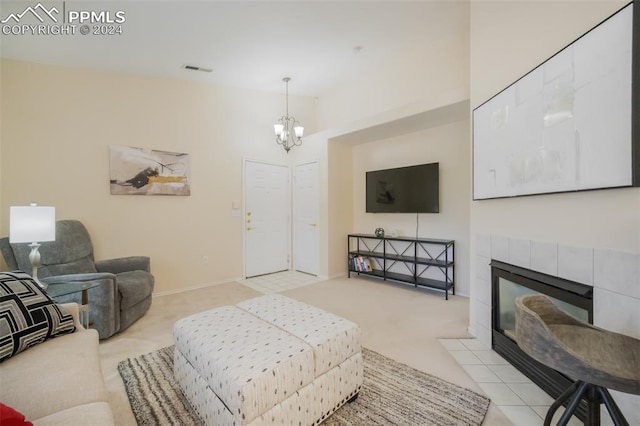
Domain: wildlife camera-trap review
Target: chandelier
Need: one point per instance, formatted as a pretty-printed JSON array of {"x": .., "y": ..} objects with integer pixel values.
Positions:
[{"x": 288, "y": 130}]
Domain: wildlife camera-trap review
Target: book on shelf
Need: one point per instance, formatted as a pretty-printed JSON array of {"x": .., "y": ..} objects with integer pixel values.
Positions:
[
  {"x": 362, "y": 264},
  {"x": 367, "y": 264},
  {"x": 356, "y": 263}
]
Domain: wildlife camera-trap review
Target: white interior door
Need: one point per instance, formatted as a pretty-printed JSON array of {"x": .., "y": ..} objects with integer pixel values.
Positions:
[
  {"x": 305, "y": 218},
  {"x": 266, "y": 218}
]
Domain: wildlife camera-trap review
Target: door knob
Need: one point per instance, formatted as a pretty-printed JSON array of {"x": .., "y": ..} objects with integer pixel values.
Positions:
[
  {"x": 249, "y": 228},
  {"x": 313, "y": 224}
]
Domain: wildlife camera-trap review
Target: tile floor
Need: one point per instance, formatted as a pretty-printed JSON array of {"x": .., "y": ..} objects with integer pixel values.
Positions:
[
  {"x": 521, "y": 400},
  {"x": 279, "y": 281}
]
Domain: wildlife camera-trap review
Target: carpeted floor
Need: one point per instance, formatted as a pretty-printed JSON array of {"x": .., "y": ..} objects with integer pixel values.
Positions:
[{"x": 392, "y": 394}]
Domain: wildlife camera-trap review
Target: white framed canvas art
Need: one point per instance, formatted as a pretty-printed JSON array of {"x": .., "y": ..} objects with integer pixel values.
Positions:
[{"x": 570, "y": 124}]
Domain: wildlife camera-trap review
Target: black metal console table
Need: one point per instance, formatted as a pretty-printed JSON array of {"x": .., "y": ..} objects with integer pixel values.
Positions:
[{"x": 416, "y": 261}]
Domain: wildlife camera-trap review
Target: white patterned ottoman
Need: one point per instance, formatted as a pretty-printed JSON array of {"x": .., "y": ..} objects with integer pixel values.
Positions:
[{"x": 268, "y": 360}]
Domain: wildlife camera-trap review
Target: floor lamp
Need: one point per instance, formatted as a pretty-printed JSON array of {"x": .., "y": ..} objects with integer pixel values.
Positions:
[{"x": 32, "y": 224}]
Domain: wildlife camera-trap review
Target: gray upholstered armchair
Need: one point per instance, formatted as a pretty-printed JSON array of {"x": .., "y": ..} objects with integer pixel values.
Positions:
[{"x": 126, "y": 284}]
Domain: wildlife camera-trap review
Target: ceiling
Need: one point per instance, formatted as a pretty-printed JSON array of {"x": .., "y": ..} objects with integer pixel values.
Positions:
[{"x": 319, "y": 44}]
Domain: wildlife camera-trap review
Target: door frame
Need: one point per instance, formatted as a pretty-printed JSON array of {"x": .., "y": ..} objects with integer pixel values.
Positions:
[
  {"x": 245, "y": 160},
  {"x": 293, "y": 213}
]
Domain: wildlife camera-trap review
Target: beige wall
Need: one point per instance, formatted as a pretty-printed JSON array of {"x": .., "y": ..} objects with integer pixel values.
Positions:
[
  {"x": 314, "y": 148},
  {"x": 340, "y": 205},
  {"x": 440, "y": 65},
  {"x": 58, "y": 123},
  {"x": 415, "y": 83},
  {"x": 336, "y": 201},
  {"x": 592, "y": 237},
  {"x": 2, "y": 213},
  {"x": 447, "y": 145}
]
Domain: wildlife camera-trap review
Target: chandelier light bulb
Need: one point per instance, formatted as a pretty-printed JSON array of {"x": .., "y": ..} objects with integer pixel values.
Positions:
[{"x": 288, "y": 130}]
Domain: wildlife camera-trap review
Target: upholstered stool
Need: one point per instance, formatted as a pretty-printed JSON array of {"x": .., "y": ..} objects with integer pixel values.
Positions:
[
  {"x": 266, "y": 361},
  {"x": 598, "y": 359}
]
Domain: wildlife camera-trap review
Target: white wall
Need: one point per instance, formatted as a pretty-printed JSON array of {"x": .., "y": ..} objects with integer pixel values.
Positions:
[{"x": 591, "y": 237}]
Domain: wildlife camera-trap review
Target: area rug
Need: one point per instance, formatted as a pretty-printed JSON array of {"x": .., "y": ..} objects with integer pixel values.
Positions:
[{"x": 392, "y": 394}]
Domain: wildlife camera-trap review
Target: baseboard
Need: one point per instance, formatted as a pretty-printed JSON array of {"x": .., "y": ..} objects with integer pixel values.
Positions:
[
  {"x": 195, "y": 287},
  {"x": 472, "y": 331}
]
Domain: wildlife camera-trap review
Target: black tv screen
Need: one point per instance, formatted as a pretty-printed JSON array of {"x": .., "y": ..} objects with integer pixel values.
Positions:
[{"x": 413, "y": 189}]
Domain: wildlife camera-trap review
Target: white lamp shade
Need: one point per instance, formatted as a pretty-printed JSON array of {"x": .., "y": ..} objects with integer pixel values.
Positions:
[
  {"x": 31, "y": 224},
  {"x": 299, "y": 131},
  {"x": 278, "y": 129}
]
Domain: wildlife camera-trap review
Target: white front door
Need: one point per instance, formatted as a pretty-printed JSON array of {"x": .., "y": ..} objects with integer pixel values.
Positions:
[
  {"x": 305, "y": 218},
  {"x": 266, "y": 218}
]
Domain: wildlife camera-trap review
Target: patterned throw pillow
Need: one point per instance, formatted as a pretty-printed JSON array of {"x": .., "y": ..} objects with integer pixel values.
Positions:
[{"x": 27, "y": 315}]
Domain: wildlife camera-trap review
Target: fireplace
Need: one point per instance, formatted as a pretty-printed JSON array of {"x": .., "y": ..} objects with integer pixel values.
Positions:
[{"x": 509, "y": 282}]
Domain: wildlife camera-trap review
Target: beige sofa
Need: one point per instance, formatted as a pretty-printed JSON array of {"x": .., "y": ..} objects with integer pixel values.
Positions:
[{"x": 58, "y": 382}]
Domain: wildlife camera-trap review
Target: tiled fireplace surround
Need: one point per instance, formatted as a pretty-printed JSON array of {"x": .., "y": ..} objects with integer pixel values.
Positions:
[{"x": 614, "y": 275}]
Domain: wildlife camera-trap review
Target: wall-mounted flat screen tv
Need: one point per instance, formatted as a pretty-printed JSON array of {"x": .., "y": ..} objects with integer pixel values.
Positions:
[{"x": 413, "y": 189}]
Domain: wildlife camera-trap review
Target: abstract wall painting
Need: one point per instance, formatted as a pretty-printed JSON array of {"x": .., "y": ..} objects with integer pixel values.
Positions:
[{"x": 140, "y": 171}]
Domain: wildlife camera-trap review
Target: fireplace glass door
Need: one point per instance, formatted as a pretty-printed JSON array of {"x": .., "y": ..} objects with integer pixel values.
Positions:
[
  {"x": 507, "y": 293},
  {"x": 510, "y": 281}
]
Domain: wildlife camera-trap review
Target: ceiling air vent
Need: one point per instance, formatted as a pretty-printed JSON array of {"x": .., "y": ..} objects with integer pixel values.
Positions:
[{"x": 196, "y": 68}]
